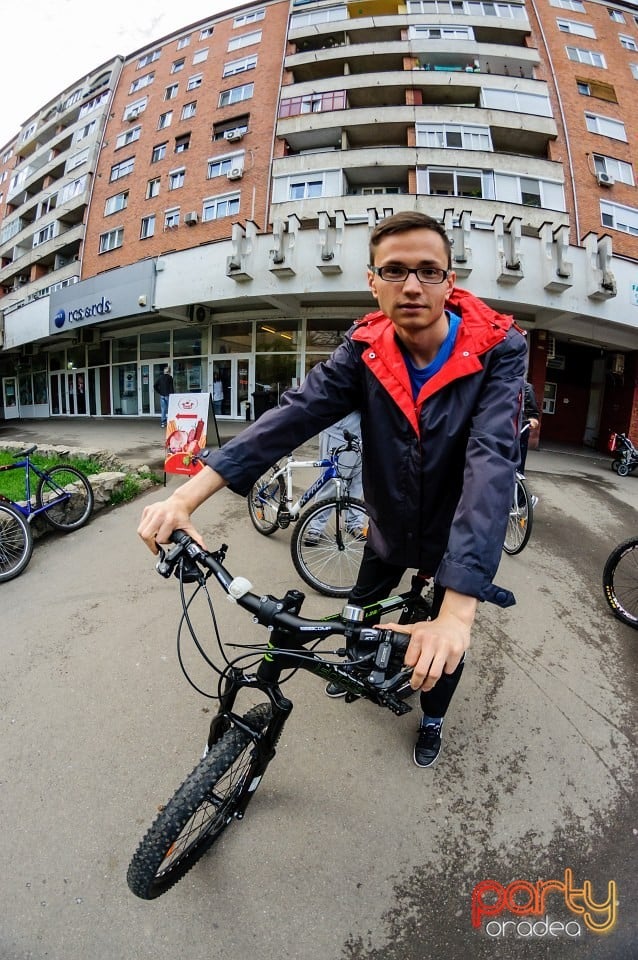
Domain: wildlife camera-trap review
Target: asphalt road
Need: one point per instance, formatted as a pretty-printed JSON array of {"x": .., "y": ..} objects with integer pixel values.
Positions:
[{"x": 348, "y": 851}]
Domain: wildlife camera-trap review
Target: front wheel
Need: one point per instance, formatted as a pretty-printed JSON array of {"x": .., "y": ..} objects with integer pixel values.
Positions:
[
  {"x": 264, "y": 500},
  {"x": 327, "y": 544},
  {"x": 620, "y": 582},
  {"x": 68, "y": 497},
  {"x": 199, "y": 812},
  {"x": 519, "y": 523},
  {"x": 16, "y": 542}
]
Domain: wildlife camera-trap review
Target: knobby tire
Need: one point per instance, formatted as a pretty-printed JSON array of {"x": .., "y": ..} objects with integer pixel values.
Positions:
[
  {"x": 199, "y": 811},
  {"x": 620, "y": 582}
]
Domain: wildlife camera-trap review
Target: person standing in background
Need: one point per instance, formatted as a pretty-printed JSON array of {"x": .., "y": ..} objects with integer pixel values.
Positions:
[
  {"x": 165, "y": 387},
  {"x": 350, "y": 467},
  {"x": 218, "y": 394}
]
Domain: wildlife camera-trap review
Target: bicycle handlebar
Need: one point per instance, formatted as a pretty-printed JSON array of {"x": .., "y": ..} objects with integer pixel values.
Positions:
[{"x": 386, "y": 648}]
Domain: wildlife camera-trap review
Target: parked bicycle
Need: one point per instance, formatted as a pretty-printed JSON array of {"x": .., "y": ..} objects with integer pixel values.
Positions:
[
  {"x": 620, "y": 581},
  {"x": 240, "y": 746},
  {"x": 328, "y": 540},
  {"x": 62, "y": 494},
  {"x": 520, "y": 519}
]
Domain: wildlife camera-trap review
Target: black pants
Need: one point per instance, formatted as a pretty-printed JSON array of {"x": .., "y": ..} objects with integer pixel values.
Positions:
[
  {"x": 524, "y": 445},
  {"x": 376, "y": 580}
]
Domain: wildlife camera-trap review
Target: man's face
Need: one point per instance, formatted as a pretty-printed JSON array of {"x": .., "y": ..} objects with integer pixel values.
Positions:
[{"x": 411, "y": 305}]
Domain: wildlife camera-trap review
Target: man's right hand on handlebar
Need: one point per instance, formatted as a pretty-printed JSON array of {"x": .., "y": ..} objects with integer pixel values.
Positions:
[{"x": 160, "y": 519}]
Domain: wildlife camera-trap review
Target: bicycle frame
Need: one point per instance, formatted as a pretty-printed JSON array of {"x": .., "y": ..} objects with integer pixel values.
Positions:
[
  {"x": 330, "y": 472},
  {"x": 27, "y": 509}
]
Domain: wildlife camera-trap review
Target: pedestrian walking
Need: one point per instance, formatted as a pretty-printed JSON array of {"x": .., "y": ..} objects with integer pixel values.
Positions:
[{"x": 164, "y": 386}]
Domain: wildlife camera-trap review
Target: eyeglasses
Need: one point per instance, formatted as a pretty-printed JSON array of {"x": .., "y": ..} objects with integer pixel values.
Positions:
[{"x": 397, "y": 273}]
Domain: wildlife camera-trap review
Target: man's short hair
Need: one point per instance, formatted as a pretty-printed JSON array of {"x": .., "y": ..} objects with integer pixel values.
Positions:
[{"x": 404, "y": 221}]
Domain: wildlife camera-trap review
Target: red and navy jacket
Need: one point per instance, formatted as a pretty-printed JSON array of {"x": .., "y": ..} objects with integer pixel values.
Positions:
[{"x": 438, "y": 472}]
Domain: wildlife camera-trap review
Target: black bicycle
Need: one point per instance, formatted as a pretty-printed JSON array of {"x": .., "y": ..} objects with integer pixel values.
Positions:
[
  {"x": 241, "y": 745},
  {"x": 620, "y": 581}
]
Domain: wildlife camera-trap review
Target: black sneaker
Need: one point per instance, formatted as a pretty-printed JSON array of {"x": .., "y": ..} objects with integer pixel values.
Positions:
[
  {"x": 335, "y": 690},
  {"x": 428, "y": 745}
]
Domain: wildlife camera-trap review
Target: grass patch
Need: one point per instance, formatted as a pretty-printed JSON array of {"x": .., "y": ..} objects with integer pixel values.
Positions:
[
  {"x": 12, "y": 482},
  {"x": 131, "y": 488}
]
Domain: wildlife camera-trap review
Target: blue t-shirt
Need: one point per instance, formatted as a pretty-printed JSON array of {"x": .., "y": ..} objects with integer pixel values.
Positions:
[{"x": 421, "y": 375}]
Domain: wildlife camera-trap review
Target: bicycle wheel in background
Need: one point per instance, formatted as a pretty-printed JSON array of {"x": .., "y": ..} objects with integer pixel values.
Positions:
[
  {"x": 198, "y": 813},
  {"x": 70, "y": 495},
  {"x": 16, "y": 542},
  {"x": 620, "y": 581},
  {"x": 264, "y": 500},
  {"x": 519, "y": 523},
  {"x": 327, "y": 545}
]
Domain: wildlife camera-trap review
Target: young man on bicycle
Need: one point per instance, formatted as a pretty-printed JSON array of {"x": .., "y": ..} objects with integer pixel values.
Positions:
[{"x": 438, "y": 377}]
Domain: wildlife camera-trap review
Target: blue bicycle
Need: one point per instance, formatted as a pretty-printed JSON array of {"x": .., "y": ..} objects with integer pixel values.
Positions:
[{"x": 329, "y": 537}]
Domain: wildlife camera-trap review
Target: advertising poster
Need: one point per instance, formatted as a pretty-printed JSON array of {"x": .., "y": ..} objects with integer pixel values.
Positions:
[{"x": 188, "y": 418}]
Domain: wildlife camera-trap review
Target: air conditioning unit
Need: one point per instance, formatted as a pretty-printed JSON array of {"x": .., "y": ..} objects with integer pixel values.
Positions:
[
  {"x": 234, "y": 135},
  {"x": 89, "y": 335},
  {"x": 235, "y": 173},
  {"x": 133, "y": 115},
  {"x": 551, "y": 347},
  {"x": 191, "y": 219},
  {"x": 605, "y": 180}
]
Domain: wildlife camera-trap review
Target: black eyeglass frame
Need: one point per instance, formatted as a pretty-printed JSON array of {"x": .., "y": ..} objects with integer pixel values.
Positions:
[{"x": 407, "y": 271}]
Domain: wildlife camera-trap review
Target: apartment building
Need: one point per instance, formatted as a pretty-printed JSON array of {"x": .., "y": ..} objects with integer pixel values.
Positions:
[{"x": 244, "y": 159}]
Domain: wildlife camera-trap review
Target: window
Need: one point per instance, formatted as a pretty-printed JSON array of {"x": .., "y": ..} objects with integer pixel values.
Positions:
[
  {"x": 142, "y": 82},
  {"x": 305, "y": 189},
  {"x": 47, "y": 233},
  {"x": 159, "y": 152},
  {"x": 194, "y": 82},
  {"x": 221, "y": 165},
  {"x": 133, "y": 110},
  {"x": 576, "y": 6},
  {"x": 177, "y": 65},
  {"x": 245, "y": 40},
  {"x": 147, "y": 227},
  {"x": 549, "y": 397},
  {"x": 251, "y": 17},
  {"x": 618, "y": 169},
  {"x": 325, "y": 15},
  {"x": 129, "y": 136},
  {"x": 171, "y": 219},
  {"x": 148, "y": 58},
  {"x": 111, "y": 240},
  {"x": 239, "y": 66},
  {"x": 116, "y": 203},
  {"x": 176, "y": 179},
  {"x": 236, "y": 94},
  {"x": 596, "y": 88},
  {"x": 189, "y": 110},
  {"x": 240, "y": 124},
  {"x": 171, "y": 92},
  {"x": 313, "y": 103},
  {"x": 72, "y": 189},
  {"x": 164, "y": 120},
  {"x": 77, "y": 160},
  {"x": 619, "y": 217},
  {"x": 183, "y": 42},
  {"x": 628, "y": 43},
  {"x": 616, "y": 15},
  {"x": 606, "y": 126},
  {"x": 459, "y": 183},
  {"x": 586, "y": 56},
  {"x": 205, "y": 33},
  {"x": 537, "y": 104},
  {"x": 431, "y": 32},
  {"x": 574, "y": 26},
  {"x": 219, "y": 207},
  {"x": 453, "y": 136},
  {"x": 153, "y": 188},
  {"x": 85, "y": 131},
  {"x": 122, "y": 169},
  {"x": 182, "y": 143},
  {"x": 634, "y": 70},
  {"x": 200, "y": 55}
]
